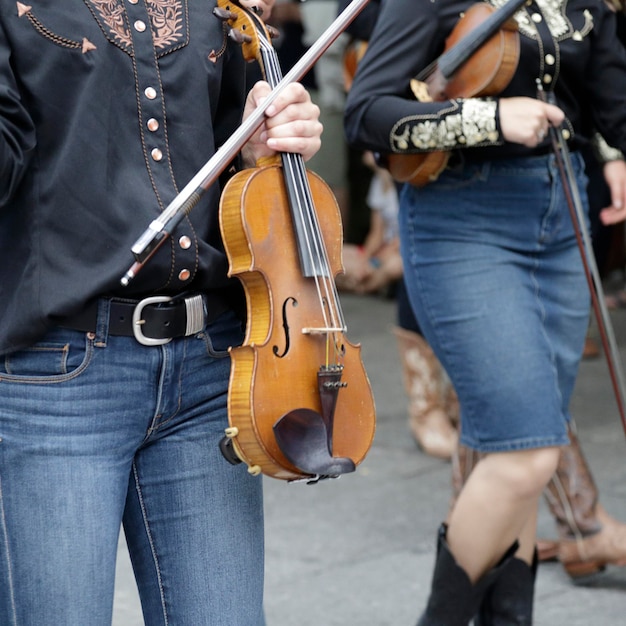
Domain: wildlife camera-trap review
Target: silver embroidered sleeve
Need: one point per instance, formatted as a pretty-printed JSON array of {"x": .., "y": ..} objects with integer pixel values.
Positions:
[
  {"x": 603, "y": 152},
  {"x": 465, "y": 123}
]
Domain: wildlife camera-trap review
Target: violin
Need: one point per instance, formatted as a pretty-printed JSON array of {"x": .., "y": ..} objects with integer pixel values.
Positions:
[
  {"x": 480, "y": 58},
  {"x": 300, "y": 405},
  {"x": 351, "y": 58}
]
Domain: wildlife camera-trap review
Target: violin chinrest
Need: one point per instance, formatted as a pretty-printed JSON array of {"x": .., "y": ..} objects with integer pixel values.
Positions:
[{"x": 302, "y": 436}]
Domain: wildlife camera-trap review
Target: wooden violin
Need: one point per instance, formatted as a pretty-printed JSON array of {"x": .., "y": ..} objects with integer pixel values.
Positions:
[
  {"x": 300, "y": 406},
  {"x": 480, "y": 58},
  {"x": 351, "y": 58}
]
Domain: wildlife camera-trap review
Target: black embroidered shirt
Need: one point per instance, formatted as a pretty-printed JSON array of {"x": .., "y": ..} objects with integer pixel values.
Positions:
[
  {"x": 107, "y": 110},
  {"x": 570, "y": 46}
]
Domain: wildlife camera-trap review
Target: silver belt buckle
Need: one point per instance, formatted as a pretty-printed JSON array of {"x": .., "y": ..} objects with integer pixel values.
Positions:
[
  {"x": 138, "y": 321},
  {"x": 194, "y": 308}
]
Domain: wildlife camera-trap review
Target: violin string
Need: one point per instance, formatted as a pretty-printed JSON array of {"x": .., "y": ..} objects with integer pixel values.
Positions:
[
  {"x": 304, "y": 205},
  {"x": 273, "y": 75},
  {"x": 316, "y": 242}
]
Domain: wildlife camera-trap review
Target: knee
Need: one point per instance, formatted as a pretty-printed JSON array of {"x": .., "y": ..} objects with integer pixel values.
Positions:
[
  {"x": 527, "y": 472},
  {"x": 543, "y": 464}
]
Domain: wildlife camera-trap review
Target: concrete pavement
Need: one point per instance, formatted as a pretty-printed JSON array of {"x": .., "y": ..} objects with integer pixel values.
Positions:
[{"x": 360, "y": 550}]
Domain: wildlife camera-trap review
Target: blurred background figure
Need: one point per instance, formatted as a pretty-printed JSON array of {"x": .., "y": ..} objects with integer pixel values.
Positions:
[
  {"x": 375, "y": 266},
  {"x": 329, "y": 94}
]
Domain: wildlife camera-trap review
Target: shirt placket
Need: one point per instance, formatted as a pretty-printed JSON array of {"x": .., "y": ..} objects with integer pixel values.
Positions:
[{"x": 153, "y": 127}]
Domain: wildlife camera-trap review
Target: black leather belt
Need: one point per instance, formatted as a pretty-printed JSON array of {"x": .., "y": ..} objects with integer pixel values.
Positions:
[{"x": 152, "y": 321}]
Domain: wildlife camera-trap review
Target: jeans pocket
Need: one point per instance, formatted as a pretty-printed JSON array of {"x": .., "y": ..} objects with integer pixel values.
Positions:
[{"x": 49, "y": 360}]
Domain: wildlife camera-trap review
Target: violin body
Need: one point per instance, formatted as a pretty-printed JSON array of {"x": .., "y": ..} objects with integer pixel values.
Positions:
[
  {"x": 486, "y": 72},
  {"x": 276, "y": 369}
]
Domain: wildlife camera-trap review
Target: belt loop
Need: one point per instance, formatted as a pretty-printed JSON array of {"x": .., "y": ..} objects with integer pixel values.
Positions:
[
  {"x": 102, "y": 322},
  {"x": 196, "y": 309}
]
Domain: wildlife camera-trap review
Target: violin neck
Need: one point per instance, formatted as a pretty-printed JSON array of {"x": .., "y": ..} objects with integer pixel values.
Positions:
[
  {"x": 449, "y": 62},
  {"x": 310, "y": 243}
]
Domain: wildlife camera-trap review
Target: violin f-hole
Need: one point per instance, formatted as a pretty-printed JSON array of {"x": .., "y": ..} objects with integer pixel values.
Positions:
[{"x": 294, "y": 303}]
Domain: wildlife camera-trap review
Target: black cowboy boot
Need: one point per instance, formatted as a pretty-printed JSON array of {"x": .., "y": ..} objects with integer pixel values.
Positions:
[
  {"x": 453, "y": 599},
  {"x": 509, "y": 601}
]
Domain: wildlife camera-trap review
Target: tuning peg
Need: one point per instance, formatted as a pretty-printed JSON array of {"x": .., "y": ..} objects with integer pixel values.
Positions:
[
  {"x": 239, "y": 37},
  {"x": 272, "y": 32},
  {"x": 223, "y": 14}
]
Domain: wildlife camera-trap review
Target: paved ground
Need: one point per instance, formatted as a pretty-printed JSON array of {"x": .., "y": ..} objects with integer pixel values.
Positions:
[{"x": 359, "y": 550}]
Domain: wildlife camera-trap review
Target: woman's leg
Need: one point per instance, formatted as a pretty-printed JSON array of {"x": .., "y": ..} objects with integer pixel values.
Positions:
[
  {"x": 508, "y": 486},
  {"x": 71, "y": 417},
  {"x": 481, "y": 568},
  {"x": 509, "y": 601},
  {"x": 193, "y": 521}
]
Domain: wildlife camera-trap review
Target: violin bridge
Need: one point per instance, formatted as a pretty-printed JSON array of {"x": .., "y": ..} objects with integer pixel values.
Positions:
[{"x": 322, "y": 331}]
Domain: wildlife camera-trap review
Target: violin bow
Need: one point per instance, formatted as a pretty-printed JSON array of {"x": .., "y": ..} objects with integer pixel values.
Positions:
[
  {"x": 583, "y": 238},
  {"x": 161, "y": 228}
]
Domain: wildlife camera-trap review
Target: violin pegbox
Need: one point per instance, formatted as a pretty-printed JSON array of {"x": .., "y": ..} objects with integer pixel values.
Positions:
[{"x": 246, "y": 27}]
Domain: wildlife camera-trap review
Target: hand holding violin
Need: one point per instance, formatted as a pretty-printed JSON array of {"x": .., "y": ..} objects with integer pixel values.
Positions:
[
  {"x": 526, "y": 120},
  {"x": 292, "y": 123}
]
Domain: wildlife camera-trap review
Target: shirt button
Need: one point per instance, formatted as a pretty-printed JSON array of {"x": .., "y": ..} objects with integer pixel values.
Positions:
[
  {"x": 566, "y": 134},
  {"x": 536, "y": 17},
  {"x": 152, "y": 124},
  {"x": 550, "y": 59},
  {"x": 547, "y": 79},
  {"x": 140, "y": 26},
  {"x": 185, "y": 242},
  {"x": 184, "y": 275},
  {"x": 156, "y": 154},
  {"x": 151, "y": 93}
]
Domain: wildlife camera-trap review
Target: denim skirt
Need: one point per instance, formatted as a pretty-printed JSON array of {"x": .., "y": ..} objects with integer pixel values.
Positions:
[{"x": 496, "y": 280}]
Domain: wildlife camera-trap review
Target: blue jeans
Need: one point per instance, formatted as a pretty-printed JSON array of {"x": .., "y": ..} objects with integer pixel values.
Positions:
[
  {"x": 496, "y": 281},
  {"x": 96, "y": 431}
]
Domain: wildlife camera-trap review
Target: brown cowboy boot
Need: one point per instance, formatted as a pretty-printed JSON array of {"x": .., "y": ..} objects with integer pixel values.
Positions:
[
  {"x": 426, "y": 386},
  {"x": 589, "y": 538}
]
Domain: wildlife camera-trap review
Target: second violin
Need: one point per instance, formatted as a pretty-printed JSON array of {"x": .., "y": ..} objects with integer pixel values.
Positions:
[{"x": 480, "y": 58}]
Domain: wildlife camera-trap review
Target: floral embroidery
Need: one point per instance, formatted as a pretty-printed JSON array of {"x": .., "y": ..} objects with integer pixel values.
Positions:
[
  {"x": 469, "y": 123},
  {"x": 114, "y": 17},
  {"x": 603, "y": 151},
  {"x": 166, "y": 20},
  {"x": 553, "y": 11}
]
